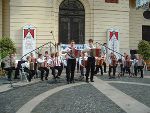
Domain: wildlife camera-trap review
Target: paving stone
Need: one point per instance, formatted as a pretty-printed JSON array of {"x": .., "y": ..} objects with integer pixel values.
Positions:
[
  {"x": 78, "y": 99},
  {"x": 125, "y": 79},
  {"x": 12, "y": 100},
  {"x": 140, "y": 93}
]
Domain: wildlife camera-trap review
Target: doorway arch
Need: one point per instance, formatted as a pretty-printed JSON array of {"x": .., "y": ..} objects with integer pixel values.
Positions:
[{"x": 71, "y": 21}]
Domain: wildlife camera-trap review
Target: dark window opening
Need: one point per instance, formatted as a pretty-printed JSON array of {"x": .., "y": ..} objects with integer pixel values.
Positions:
[
  {"x": 71, "y": 22},
  {"x": 111, "y": 1},
  {"x": 146, "y": 33}
]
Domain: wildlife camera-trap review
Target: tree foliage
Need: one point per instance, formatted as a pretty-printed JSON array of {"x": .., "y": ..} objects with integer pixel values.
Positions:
[
  {"x": 7, "y": 46},
  {"x": 144, "y": 49}
]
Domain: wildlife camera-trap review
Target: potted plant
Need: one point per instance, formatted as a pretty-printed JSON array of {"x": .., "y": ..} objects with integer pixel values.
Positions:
[
  {"x": 7, "y": 46},
  {"x": 144, "y": 50}
]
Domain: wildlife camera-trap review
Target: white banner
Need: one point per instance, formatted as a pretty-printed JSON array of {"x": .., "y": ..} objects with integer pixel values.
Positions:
[
  {"x": 29, "y": 39},
  {"x": 113, "y": 41},
  {"x": 78, "y": 46}
]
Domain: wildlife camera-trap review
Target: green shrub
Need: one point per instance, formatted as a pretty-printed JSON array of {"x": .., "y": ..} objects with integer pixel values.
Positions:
[
  {"x": 144, "y": 49},
  {"x": 7, "y": 46}
]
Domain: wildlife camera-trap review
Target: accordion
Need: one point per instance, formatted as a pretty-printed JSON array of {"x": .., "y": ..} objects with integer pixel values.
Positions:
[
  {"x": 84, "y": 63},
  {"x": 99, "y": 62},
  {"x": 96, "y": 52},
  {"x": 32, "y": 66},
  {"x": 114, "y": 62},
  {"x": 77, "y": 53}
]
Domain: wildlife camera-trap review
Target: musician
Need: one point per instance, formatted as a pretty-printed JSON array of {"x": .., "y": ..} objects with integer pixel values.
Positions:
[
  {"x": 82, "y": 64},
  {"x": 127, "y": 65},
  {"x": 52, "y": 64},
  {"x": 42, "y": 66},
  {"x": 29, "y": 69},
  {"x": 58, "y": 64},
  {"x": 65, "y": 63},
  {"x": 140, "y": 65},
  {"x": 47, "y": 55},
  {"x": 34, "y": 61},
  {"x": 99, "y": 63},
  {"x": 123, "y": 61},
  {"x": 90, "y": 60},
  {"x": 112, "y": 65},
  {"x": 15, "y": 66},
  {"x": 71, "y": 62},
  {"x": 104, "y": 53},
  {"x": 9, "y": 66}
]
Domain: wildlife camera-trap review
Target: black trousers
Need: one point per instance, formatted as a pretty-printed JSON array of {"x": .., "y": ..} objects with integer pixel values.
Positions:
[
  {"x": 104, "y": 63},
  {"x": 90, "y": 67},
  {"x": 110, "y": 70},
  {"x": 31, "y": 73},
  {"x": 53, "y": 71},
  {"x": 9, "y": 70},
  {"x": 71, "y": 64},
  {"x": 97, "y": 69},
  {"x": 59, "y": 68},
  {"x": 140, "y": 68},
  {"x": 42, "y": 69}
]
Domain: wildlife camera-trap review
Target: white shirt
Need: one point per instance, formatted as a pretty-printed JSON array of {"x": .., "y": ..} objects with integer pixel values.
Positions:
[
  {"x": 51, "y": 61},
  {"x": 39, "y": 60},
  {"x": 88, "y": 49},
  {"x": 57, "y": 61},
  {"x": 140, "y": 62},
  {"x": 81, "y": 59},
  {"x": 68, "y": 49},
  {"x": 27, "y": 64},
  {"x": 104, "y": 50}
]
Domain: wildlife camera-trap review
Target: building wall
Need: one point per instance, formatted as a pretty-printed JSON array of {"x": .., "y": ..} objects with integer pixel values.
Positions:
[
  {"x": 6, "y": 18},
  {"x": 43, "y": 14},
  {"x": 35, "y": 12},
  {"x": 0, "y": 18},
  {"x": 136, "y": 22},
  {"x": 112, "y": 15},
  {"x": 88, "y": 5}
]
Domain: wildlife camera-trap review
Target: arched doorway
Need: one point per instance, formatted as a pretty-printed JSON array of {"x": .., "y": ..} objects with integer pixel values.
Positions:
[{"x": 71, "y": 21}]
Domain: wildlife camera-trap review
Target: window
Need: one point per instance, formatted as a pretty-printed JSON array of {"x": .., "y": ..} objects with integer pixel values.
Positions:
[
  {"x": 111, "y": 1},
  {"x": 146, "y": 33}
]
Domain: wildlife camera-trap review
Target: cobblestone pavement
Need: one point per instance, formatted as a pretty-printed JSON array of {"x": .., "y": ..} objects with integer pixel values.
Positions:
[
  {"x": 79, "y": 99},
  {"x": 126, "y": 78},
  {"x": 12, "y": 100},
  {"x": 140, "y": 93}
]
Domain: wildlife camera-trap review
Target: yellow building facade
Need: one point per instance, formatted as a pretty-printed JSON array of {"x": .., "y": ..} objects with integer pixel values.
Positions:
[{"x": 99, "y": 16}]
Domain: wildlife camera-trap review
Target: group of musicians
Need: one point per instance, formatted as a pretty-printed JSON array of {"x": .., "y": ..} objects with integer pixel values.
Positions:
[{"x": 89, "y": 63}]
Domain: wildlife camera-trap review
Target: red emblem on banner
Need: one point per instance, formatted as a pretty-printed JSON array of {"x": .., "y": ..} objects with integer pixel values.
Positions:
[
  {"x": 111, "y": 34},
  {"x": 26, "y": 31}
]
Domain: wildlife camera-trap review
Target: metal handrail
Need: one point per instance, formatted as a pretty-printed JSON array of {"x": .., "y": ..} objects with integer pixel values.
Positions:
[
  {"x": 110, "y": 49},
  {"x": 39, "y": 48}
]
